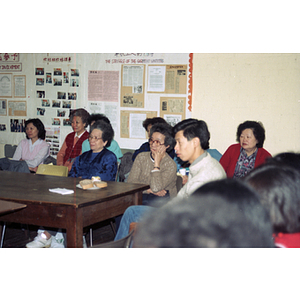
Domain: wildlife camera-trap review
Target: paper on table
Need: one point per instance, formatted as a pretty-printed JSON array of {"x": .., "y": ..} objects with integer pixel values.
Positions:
[{"x": 61, "y": 191}]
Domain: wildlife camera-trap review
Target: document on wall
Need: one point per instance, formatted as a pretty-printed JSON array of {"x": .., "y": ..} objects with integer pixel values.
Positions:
[
  {"x": 103, "y": 86},
  {"x": 17, "y": 108},
  {"x": 136, "y": 126},
  {"x": 156, "y": 78},
  {"x": 5, "y": 85},
  {"x": 20, "y": 86},
  {"x": 133, "y": 77},
  {"x": 131, "y": 123}
]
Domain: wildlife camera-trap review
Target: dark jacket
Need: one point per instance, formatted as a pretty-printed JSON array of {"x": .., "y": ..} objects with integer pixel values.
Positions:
[{"x": 104, "y": 165}]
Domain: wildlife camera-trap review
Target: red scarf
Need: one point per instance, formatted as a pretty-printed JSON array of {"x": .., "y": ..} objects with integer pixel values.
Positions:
[{"x": 74, "y": 151}]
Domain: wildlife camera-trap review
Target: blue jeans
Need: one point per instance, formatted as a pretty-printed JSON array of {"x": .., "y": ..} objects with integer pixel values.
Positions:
[{"x": 131, "y": 214}]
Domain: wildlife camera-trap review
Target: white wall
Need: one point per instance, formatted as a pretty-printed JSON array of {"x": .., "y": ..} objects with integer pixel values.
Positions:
[{"x": 231, "y": 88}]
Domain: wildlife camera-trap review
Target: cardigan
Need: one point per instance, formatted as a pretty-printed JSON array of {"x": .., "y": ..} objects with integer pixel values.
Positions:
[
  {"x": 104, "y": 165},
  {"x": 164, "y": 179},
  {"x": 68, "y": 153},
  {"x": 287, "y": 240},
  {"x": 231, "y": 156}
]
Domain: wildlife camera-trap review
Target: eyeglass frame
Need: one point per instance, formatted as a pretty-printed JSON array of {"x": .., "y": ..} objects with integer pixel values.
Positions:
[
  {"x": 155, "y": 142},
  {"x": 90, "y": 138}
]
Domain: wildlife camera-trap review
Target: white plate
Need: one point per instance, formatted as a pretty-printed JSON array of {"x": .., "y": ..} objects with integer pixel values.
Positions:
[{"x": 93, "y": 188}]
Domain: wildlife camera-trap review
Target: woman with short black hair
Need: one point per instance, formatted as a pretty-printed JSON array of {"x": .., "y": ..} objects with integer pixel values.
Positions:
[{"x": 239, "y": 159}]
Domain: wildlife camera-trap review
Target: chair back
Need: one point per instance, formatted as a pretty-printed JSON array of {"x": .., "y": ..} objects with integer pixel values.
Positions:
[
  {"x": 52, "y": 170},
  {"x": 122, "y": 243}
]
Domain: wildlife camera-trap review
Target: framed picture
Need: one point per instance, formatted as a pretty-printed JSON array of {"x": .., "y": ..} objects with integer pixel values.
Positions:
[{"x": 6, "y": 85}]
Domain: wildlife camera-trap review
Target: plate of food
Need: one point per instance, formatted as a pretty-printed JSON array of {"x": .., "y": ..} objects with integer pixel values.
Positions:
[{"x": 91, "y": 184}]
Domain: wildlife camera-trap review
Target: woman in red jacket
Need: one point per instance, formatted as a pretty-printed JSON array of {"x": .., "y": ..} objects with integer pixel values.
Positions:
[{"x": 240, "y": 159}]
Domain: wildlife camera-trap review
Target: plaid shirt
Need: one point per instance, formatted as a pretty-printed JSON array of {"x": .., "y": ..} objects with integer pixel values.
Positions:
[{"x": 244, "y": 164}]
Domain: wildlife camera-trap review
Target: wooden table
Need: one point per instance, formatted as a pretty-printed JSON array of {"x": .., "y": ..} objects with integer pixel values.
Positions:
[
  {"x": 9, "y": 207},
  {"x": 71, "y": 212}
]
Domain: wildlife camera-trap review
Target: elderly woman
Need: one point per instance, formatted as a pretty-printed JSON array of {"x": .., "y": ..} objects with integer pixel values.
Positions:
[
  {"x": 34, "y": 150},
  {"x": 96, "y": 162},
  {"x": 71, "y": 147},
  {"x": 156, "y": 167},
  {"x": 240, "y": 159}
]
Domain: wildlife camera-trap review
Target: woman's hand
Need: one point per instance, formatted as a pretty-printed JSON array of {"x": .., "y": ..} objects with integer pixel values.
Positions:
[
  {"x": 160, "y": 193},
  {"x": 159, "y": 154}
]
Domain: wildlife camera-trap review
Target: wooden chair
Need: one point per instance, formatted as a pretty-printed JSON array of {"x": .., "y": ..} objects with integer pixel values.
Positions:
[
  {"x": 52, "y": 170},
  {"x": 122, "y": 243}
]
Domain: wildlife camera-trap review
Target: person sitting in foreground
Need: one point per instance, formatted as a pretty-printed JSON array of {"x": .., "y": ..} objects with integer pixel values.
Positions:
[
  {"x": 97, "y": 162},
  {"x": 71, "y": 147},
  {"x": 145, "y": 147},
  {"x": 224, "y": 214},
  {"x": 34, "y": 150},
  {"x": 114, "y": 146},
  {"x": 240, "y": 159},
  {"x": 279, "y": 189},
  {"x": 192, "y": 140},
  {"x": 156, "y": 167}
]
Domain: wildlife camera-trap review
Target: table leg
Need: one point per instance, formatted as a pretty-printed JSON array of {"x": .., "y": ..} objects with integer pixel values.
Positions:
[{"x": 75, "y": 229}]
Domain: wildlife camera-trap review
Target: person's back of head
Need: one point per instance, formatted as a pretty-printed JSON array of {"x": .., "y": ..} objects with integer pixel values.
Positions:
[
  {"x": 152, "y": 121},
  {"x": 194, "y": 128},
  {"x": 96, "y": 117},
  {"x": 279, "y": 190},
  {"x": 218, "y": 217},
  {"x": 291, "y": 159}
]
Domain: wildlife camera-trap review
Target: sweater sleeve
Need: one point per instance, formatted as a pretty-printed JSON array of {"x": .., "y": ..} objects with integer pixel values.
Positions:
[{"x": 163, "y": 178}]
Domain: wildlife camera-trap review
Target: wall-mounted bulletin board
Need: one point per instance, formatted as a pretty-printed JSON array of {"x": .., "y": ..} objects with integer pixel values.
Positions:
[{"x": 126, "y": 87}]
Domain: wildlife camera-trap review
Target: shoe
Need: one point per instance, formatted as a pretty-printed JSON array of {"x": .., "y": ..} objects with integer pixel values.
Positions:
[{"x": 39, "y": 242}]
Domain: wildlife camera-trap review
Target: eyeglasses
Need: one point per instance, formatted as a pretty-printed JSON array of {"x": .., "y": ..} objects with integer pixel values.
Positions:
[
  {"x": 94, "y": 137},
  {"x": 155, "y": 142}
]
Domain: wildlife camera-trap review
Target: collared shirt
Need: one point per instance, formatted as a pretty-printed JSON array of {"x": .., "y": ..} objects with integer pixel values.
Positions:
[{"x": 245, "y": 163}]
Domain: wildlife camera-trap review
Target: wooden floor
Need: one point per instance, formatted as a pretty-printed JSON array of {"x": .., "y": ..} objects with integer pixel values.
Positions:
[{"x": 17, "y": 235}]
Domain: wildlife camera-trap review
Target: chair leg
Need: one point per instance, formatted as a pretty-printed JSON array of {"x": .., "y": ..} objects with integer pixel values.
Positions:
[
  {"x": 2, "y": 235},
  {"x": 113, "y": 227},
  {"x": 91, "y": 237}
]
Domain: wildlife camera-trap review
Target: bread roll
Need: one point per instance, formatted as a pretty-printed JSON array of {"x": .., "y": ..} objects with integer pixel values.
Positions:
[
  {"x": 100, "y": 184},
  {"x": 86, "y": 184}
]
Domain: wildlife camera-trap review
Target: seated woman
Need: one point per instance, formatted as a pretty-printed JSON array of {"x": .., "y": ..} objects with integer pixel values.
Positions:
[
  {"x": 145, "y": 147},
  {"x": 114, "y": 146},
  {"x": 97, "y": 162},
  {"x": 34, "y": 150},
  {"x": 278, "y": 185},
  {"x": 71, "y": 147},
  {"x": 156, "y": 167},
  {"x": 240, "y": 159}
]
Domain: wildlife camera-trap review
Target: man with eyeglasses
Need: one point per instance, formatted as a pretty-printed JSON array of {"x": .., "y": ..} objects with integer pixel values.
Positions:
[{"x": 192, "y": 140}]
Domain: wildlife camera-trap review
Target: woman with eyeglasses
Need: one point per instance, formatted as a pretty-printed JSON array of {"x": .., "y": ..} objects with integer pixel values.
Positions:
[
  {"x": 98, "y": 161},
  {"x": 156, "y": 167}
]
